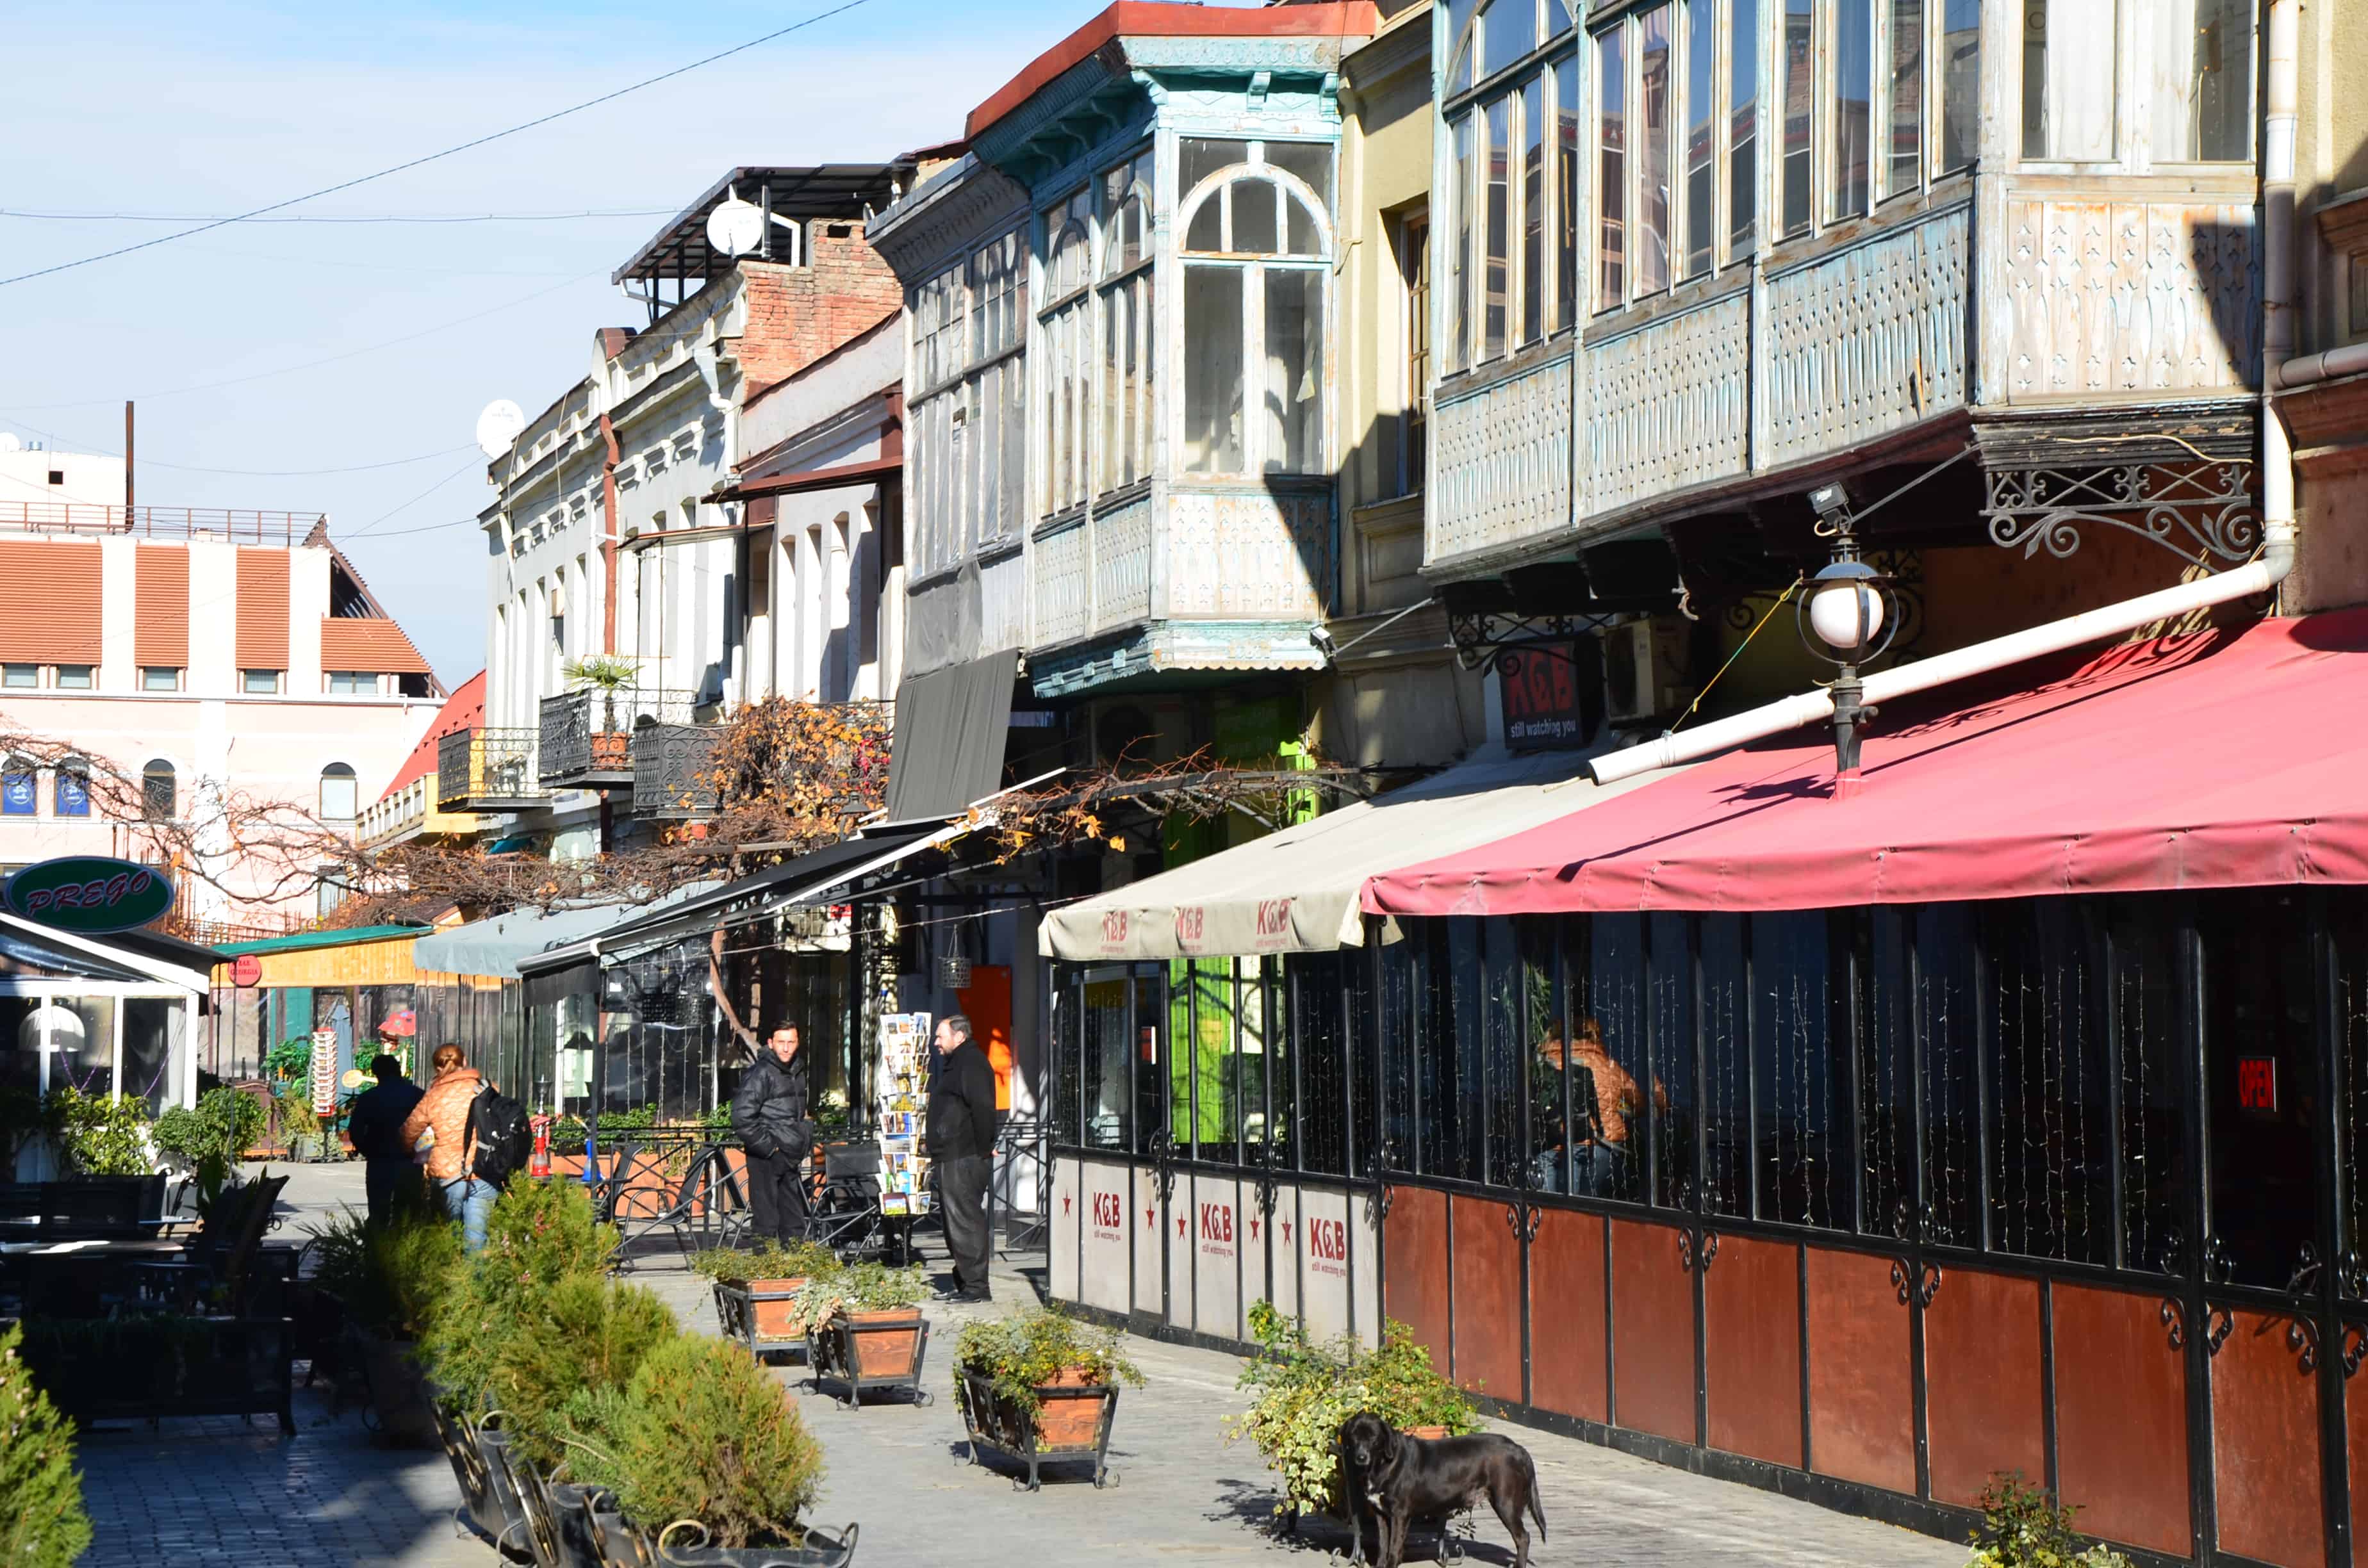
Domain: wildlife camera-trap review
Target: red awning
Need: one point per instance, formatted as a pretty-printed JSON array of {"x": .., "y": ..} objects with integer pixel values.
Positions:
[{"x": 2217, "y": 759}]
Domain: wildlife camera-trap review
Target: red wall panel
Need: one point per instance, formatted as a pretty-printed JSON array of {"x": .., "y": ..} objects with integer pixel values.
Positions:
[
  {"x": 1861, "y": 1372},
  {"x": 2121, "y": 1417},
  {"x": 2265, "y": 1446},
  {"x": 1567, "y": 1370},
  {"x": 1487, "y": 1299},
  {"x": 1985, "y": 1396},
  {"x": 1652, "y": 1332},
  {"x": 1751, "y": 1327},
  {"x": 1415, "y": 1285}
]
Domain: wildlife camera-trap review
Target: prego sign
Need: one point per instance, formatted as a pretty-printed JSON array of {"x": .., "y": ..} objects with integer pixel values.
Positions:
[{"x": 89, "y": 894}]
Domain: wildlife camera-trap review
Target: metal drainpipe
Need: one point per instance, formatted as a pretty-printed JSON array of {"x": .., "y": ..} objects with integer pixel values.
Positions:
[
  {"x": 2259, "y": 576},
  {"x": 609, "y": 541}
]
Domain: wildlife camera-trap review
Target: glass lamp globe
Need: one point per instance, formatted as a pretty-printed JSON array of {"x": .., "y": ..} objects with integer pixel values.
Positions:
[{"x": 1845, "y": 607}]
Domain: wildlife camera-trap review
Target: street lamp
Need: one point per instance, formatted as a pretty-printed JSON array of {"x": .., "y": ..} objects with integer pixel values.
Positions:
[{"x": 1845, "y": 619}]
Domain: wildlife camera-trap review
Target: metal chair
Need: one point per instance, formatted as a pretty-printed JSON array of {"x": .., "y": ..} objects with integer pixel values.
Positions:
[
  {"x": 708, "y": 1199},
  {"x": 847, "y": 1210}
]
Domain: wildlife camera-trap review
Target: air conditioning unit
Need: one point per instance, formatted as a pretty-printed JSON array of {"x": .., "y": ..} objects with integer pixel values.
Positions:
[{"x": 1644, "y": 671}]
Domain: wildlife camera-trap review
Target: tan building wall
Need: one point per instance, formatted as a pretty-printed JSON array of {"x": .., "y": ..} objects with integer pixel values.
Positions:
[{"x": 1396, "y": 697}]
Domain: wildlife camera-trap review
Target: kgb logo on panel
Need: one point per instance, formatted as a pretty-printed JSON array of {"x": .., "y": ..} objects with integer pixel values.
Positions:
[
  {"x": 1273, "y": 920},
  {"x": 1109, "y": 1213},
  {"x": 1114, "y": 929},
  {"x": 1327, "y": 1245},
  {"x": 1217, "y": 1229},
  {"x": 1190, "y": 919}
]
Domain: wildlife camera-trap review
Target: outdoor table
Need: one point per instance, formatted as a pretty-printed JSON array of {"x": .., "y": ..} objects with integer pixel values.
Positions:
[{"x": 55, "y": 1276}]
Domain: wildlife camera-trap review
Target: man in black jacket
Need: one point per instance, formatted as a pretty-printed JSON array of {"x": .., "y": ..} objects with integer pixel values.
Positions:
[
  {"x": 768, "y": 1112},
  {"x": 375, "y": 1125},
  {"x": 962, "y": 1125}
]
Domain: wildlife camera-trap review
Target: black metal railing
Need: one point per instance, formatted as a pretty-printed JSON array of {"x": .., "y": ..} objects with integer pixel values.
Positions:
[
  {"x": 480, "y": 766},
  {"x": 672, "y": 764}
]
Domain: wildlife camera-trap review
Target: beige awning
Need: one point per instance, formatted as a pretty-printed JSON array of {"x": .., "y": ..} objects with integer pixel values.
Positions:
[{"x": 1298, "y": 891}]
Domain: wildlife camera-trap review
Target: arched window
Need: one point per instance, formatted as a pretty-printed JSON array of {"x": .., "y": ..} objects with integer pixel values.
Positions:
[
  {"x": 338, "y": 793},
  {"x": 159, "y": 790},
  {"x": 72, "y": 788},
  {"x": 20, "y": 787},
  {"x": 1066, "y": 321},
  {"x": 1258, "y": 240},
  {"x": 1127, "y": 330}
]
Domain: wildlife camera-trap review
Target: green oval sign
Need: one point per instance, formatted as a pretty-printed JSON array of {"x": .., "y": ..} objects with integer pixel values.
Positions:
[{"x": 90, "y": 895}]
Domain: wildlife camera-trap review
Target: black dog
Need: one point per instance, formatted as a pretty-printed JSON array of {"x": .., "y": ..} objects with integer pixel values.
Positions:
[{"x": 1398, "y": 1479}]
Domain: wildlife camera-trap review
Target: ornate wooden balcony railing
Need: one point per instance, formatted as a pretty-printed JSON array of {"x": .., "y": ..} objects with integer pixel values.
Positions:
[
  {"x": 487, "y": 770},
  {"x": 585, "y": 737}
]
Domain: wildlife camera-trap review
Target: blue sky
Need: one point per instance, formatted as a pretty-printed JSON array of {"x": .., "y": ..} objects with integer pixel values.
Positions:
[{"x": 210, "y": 109}]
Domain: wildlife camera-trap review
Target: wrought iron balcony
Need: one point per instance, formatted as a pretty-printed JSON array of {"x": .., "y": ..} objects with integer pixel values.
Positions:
[
  {"x": 671, "y": 763},
  {"x": 586, "y": 736},
  {"x": 487, "y": 770}
]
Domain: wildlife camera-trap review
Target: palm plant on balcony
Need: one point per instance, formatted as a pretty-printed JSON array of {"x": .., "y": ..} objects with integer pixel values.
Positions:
[{"x": 608, "y": 674}]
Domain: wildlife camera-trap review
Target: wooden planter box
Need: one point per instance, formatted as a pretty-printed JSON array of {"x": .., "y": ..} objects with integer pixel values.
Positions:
[
  {"x": 862, "y": 1351},
  {"x": 1074, "y": 1425},
  {"x": 757, "y": 1313}
]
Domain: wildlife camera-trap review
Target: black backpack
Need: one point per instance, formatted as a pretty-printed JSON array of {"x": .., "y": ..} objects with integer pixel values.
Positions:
[{"x": 499, "y": 1137}]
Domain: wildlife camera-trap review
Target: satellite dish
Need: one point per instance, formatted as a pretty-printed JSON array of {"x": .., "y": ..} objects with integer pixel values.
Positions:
[
  {"x": 9, "y": 442},
  {"x": 735, "y": 227},
  {"x": 498, "y": 427}
]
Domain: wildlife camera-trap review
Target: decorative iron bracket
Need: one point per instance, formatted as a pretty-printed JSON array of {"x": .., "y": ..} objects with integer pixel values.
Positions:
[
  {"x": 2355, "y": 1348},
  {"x": 1482, "y": 637},
  {"x": 2201, "y": 511},
  {"x": 2219, "y": 1323},
  {"x": 1917, "y": 1281},
  {"x": 2302, "y": 1335},
  {"x": 2174, "y": 1318},
  {"x": 1697, "y": 1258},
  {"x": 1163, "y": 1163},
  {"x": 1523, "y": 1217}
]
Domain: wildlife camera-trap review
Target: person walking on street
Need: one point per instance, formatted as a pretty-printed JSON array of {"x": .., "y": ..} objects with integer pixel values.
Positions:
[
  {"x": 376, "y": 1127},
  {"x": 962, "y": 1130},
  {"x": 769, "y": 1113},
  {"x": 443, "y": 1111}
]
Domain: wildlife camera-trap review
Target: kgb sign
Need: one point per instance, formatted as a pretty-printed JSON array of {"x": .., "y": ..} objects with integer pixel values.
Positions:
[{"x": 89, "y": 894}]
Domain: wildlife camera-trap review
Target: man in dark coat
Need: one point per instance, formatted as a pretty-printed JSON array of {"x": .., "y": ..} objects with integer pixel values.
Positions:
[
  {"x": 962, "y": 1130},
  {"x": 768, "y": 1112},
  {"x": 375, "y": 1124}
]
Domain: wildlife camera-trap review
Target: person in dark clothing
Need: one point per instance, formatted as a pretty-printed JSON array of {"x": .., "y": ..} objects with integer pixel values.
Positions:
[
  {"x": 961, "y": 1130},
  {"x": 768, "y": 1112},
  {"x": 375, "y": 1125}
]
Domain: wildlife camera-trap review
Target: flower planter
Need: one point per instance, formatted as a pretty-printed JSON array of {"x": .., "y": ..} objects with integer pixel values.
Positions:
[
  {"x": 685, "y": 1543},
  {"x": 460, "y": 1440},
  {"x": 862, "y": 1351},
  {"x": 761, "y": 1313},
  {"x": 612, "y": 753},
  {"x": 397, "y": 1390},
  {"x": 504, "y": 1517},
  {"x": 559, "y": 1527},
  {"x": 1072, "y": 1424}
]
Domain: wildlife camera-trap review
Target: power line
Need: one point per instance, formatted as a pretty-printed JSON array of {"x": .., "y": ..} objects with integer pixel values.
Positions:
[
  {"x": 331, "y": 359},
  {"x": 839, "y": 9},
  {"x": 415, "y": 501},
  {"x": 212, "y": 220},
  {"x": 66, "y": 444}
]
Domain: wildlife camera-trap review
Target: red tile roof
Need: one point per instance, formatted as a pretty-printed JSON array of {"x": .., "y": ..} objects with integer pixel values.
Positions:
[
  {"x": 1157, "y": 18},
  {"x": 465, "y": 708}
]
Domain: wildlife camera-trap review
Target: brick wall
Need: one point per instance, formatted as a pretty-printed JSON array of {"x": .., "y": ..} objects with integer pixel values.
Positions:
[{"x": 798, "y": 314}]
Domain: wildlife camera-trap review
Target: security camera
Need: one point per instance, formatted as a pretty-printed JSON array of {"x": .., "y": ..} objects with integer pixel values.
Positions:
[{"x": 1322, "y": 638}]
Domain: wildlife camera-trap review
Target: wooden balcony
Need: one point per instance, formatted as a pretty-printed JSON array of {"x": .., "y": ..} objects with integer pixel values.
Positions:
[
  {"x": 411, "y": 812},
  {"x": 488, "y": 771}
]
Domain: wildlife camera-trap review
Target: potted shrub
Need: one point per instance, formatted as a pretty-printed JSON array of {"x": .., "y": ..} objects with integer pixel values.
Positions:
[
  {"x": 864, "y": 1328},
  {"x": 387, "y": 1281},
  {"x": 299, "y": 1125},
  {"x": 755, "y": 1291},
  {"x": 1041, "y": 1385},
  {"x": 44, "y": 1524},
  {"x": 706, "y": 1463},
  {"x": 1304, "y": 1392},
  {"x": 100, "y": 1135},
  {"x": 603, "y": 673}
]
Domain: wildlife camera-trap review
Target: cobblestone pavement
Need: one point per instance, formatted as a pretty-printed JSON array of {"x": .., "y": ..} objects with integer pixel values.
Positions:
[{"x": 208, "y": 1491}]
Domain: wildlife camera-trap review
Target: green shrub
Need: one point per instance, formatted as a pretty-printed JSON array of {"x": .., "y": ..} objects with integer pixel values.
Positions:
[
  {"x": 391, "y": 1276},
  {"x": 704, "y": 1433},
  {"x": 1020, "y": 1353},
  {"x": 771, "y": 1260},
  {"x": 2025, "y": 1526},
  {"x": 1303, "y": 1393},
  {"x": 101, "y": 1134},
  {"x": 291, "y": 1058},
  {"x": 44, "y": 1525},
  {"x": 540, "y": 1230},
  {"x": 857, "y": 1288},
  {"x": 586, "y": 1332},
  {"x": 225, "y": 1125}
]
